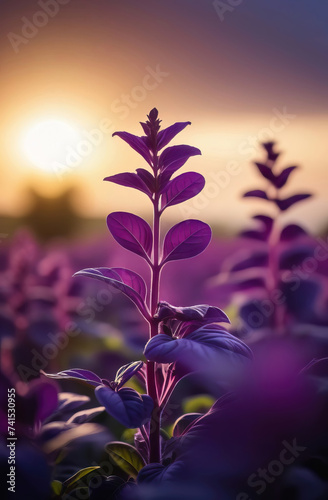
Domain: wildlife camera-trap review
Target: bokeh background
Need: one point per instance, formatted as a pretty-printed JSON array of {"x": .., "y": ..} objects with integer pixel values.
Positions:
[
  {"x": 242, "y": 75},
  {"x": 243, "y": 72}
]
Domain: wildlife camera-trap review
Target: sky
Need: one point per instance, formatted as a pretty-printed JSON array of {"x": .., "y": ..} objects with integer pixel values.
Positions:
[{"x": 242, "y": 71}]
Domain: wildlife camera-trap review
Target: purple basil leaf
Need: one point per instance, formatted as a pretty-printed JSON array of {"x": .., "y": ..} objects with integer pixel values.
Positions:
[
  {"x": 86, "y": 376},
  {"x": 165, "y": 136},
  {"x": 53, "y": 429},
  {"x": 175, "y": 157},
  {"x": 266, "y": 171},
  {"x": 269, "y": 147},
  {"x": 246, "y": 284},
  {"x": 259, "y": 259},
  {"x": 85, "y": 415},
  {"x": 68, "y": 401},
  {"x": 147, "y": 178},
  {"x": 131, "y": 232},
  {"x": 288, "y": 202},
  {"x": 186, "y": 239},
  {"x": 129, "y": 179},
  {"x": 291, "y": 232},
  {"x": 182, "y": 188},
  {"x": 128, "y": 282},
  {"x": 126, "y": 405},
  {"x": 126, "y": 372},
  {"x": 183, "y": 422},
  {"x": 295, "y": 256},
  {"x": 157, "y": 474},
  {"x": 266, "y": 220},
  {"x": 257, "y": 193},
  {"x": 136, "y": 143},
  {"x": 282, "y": 178},
  {"x": 254, "y": 235},
  {"x": 202, "y": 312},
  {"x": 263, "y": 235},
  {"x": 206, "y": 343}
]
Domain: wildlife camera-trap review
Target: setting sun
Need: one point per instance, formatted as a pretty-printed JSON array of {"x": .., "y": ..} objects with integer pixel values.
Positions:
[{"x": 47, "y": 142}]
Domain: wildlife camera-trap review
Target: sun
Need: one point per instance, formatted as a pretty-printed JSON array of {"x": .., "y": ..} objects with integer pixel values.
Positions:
[{"x": 48, "y": 142}]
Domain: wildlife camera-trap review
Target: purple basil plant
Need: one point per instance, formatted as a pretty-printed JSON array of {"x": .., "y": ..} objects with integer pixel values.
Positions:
[
  {"x": 265, "y": 269},
  {"x": 182, "y": 340}
]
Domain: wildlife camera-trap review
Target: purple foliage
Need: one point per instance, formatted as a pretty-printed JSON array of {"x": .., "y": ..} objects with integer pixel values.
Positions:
[
  {"x": 260, "y": 271},
  {"x": 176, "y": 334}
]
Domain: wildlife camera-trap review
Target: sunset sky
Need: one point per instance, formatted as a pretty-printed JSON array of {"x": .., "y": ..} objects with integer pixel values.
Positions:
[{"x": 256, "y": 71}]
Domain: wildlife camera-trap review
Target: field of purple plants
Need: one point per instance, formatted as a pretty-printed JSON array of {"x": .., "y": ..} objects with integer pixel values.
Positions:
[{"x": 158, "y": 362}]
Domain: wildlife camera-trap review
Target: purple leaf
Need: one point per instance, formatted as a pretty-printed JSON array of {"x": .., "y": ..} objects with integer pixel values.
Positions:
[
  {"x": 259, "y": 259},
  {"x": 269, "y": 147},
  {"x": 182, "y": 188},
  {"x": 266, "y": 220},
  {"x": 147, "y": 178},
  {"x": 202, "y": 312},
  {"x": 291, "y": 232},
  {"x": 86, "y": 376},
  {"x": 295, "y": 256},
  {"x": 186, "y": 239},
  {"x": 136, "y": 143},
  {"x": 206, "y": 343},
  {"x": 254, "y": 235},
  {"x": 158, "y": 473},
  {"x": 266, "y": 172},
  {"x": 282, "y": 178},
  {"x": 165, "y": 136},
  {"x": 181, "y": 425},
  {"x": 288, "y": 202},
  {"x": 260, "y": 235},
  {"x": 246, "y": 284},
  {"x": 175, "y": 157},
  {"x": 85, "y": 415},
  {"x": 131, "y": 232},
  {"x": 129, "y": 179},
  {"x": 257, "y": 193},
  {"x": 126, "y": 372},
  {"x": 126, "y": 405},
  {"x": 68, "y": 401},
  {"x": 128, "y": 282}
]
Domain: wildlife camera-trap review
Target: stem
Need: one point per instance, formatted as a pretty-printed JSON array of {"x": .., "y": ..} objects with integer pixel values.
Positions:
[
  {"x": 155, "y": 423},
  {"x": 273, "y": 278}
]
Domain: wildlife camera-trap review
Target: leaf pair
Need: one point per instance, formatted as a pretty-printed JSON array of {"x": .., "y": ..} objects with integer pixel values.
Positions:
[
  {"x": 173, "y": 192},
  {"x": 184, "y": 240},
  {"x": 126, "y": 405},
  {"x": 281, "y": 204}
]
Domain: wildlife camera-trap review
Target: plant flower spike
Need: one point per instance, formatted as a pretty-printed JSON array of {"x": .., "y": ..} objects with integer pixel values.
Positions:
[{"x": 181, "y": 339}]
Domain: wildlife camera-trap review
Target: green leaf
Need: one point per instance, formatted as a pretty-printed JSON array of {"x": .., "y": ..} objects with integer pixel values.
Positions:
[
  {"x": 126, "y": 457},
  {"x": 72, "y": 482},
  {"x": 56, "y": 487},
  {"x": 128, "y": 435},
  {"x": 198, "y": 404}
]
